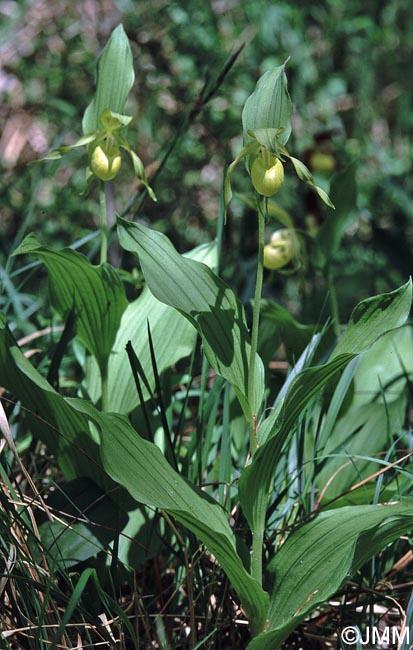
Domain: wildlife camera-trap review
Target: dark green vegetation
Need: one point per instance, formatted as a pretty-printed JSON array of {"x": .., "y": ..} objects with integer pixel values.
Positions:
[{"x": 141, "y": 505}]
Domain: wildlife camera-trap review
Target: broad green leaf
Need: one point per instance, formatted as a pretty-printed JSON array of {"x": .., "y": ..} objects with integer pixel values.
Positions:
[
  {"x": 269, "y": 107},
  {"x": 343, "y": 193},
  {"x": 209, "y": 304},
  {"x": 173, "y": 338},
  {"x": 115, "y": 78},
  {"x": 317, "y": 558},
  {"x": 94, "y": 292},
  {"x": 51, "y": 417},
  {"x": 376, "y": 412},
  {"x": 140, "y": 467},
  {"x": 68, "y": 427},
  {"x": 373, "y": 317},
  {"x": 255, "y": 480}
]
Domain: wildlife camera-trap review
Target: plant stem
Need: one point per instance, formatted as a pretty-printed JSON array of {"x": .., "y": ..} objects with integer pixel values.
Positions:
[
  {"x": 333, "y": 303},
  {"x": 254, "y": 331},
  {"x": 105, "y": 393},
  {"x": 256, "y": 556},
  {"x": 103, "y": 224}
]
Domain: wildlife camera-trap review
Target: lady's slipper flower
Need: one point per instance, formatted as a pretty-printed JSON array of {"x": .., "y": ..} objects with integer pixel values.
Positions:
[
  {"x": 267, "y": 127},
  {"x": 282, "y": 249},
  {"x": 103, "y": 146}
]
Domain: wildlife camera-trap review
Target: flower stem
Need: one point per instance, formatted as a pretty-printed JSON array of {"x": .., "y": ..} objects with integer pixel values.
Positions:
[
  {"x": 105, "y": 392},
  {"x": 254, "y": 331},
  {"x": 333, "y": 303},
  {"x": 256, "y": 555},
  {"x": 103, "y": 224}
]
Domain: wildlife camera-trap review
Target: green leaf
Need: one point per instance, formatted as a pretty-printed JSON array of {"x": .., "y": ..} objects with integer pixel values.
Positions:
[
  {"x": 255, "y": 480},
  {"x": 375, "y": 414},
  {"x": 95, "y": 292},
  {"x": 141, "y": 468},
  {"x": 269, "y": 107},
  {"x": 373, "y": 317},
  {"x": 51, "y": 417},
  {"x": 173, "y": 336},
  {"x": 209, "y": 304},
  {"x": 317, "y": 558},
  {"x": 68, "y": 426},
  {"x": 115, "y": 78}
]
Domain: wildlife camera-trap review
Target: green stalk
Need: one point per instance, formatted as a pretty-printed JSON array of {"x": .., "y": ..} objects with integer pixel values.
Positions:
[
  {"x": 105, "y": 392},
  {"x": 256, "y": 555},
  {"x": 333, "y": 303},
  {"x": 255, "y": 326},
  {"x": 103, "y": 224},
  {"x": 257, "y": 533}
]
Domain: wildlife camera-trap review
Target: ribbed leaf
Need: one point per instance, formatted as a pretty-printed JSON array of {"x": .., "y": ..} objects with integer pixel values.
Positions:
[
  {"x": 141, "y": 468},
  {"x": 193, "y": 289},
  {"x": 50, "y": 416},
  {"x": 269, "y": 109},
  {"x": 173, "y": 338},
  {"x": 316, "y": 560},
  {"x": 373, "y": 317},
  {"x": 370, "y": 319},
  {"x": 94, "y": 292},
  {"x": 255, "y": 480},
  {"x": 115, "y": 78}
]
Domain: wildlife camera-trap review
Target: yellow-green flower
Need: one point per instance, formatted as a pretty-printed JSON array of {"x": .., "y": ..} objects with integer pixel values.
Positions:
[
  {"x": 281, "y": 250},
  {"x": 104, "y": 147},
  {"x": 266, "y": 129}
]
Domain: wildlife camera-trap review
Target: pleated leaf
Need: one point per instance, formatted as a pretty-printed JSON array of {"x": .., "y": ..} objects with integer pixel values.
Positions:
[
  {"x": 115, "y": 78},
  {"x": 94, "y": 292},
  {"x": 317, "y": 559},
  {"x": 209, "y": 304},
  {"x": 173, "y": 336},
  {"x": 373, "y": 317},
  {"x": 141, "y": 468},
  {"x": 50, "y": 416},
  {"x": 370, "y": 319}
]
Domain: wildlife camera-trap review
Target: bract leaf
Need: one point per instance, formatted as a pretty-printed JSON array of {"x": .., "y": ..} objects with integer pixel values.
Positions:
[
  {"x": 269, "y": 106},
  {"x": 115, "y": 78}
]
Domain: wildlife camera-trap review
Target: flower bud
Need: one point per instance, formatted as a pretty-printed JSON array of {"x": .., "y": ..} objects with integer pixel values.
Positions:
[
  {"x": 105, "y": 162},
  {"x": 280, "y": 251},
  {"x": 267, "y": 178}
]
